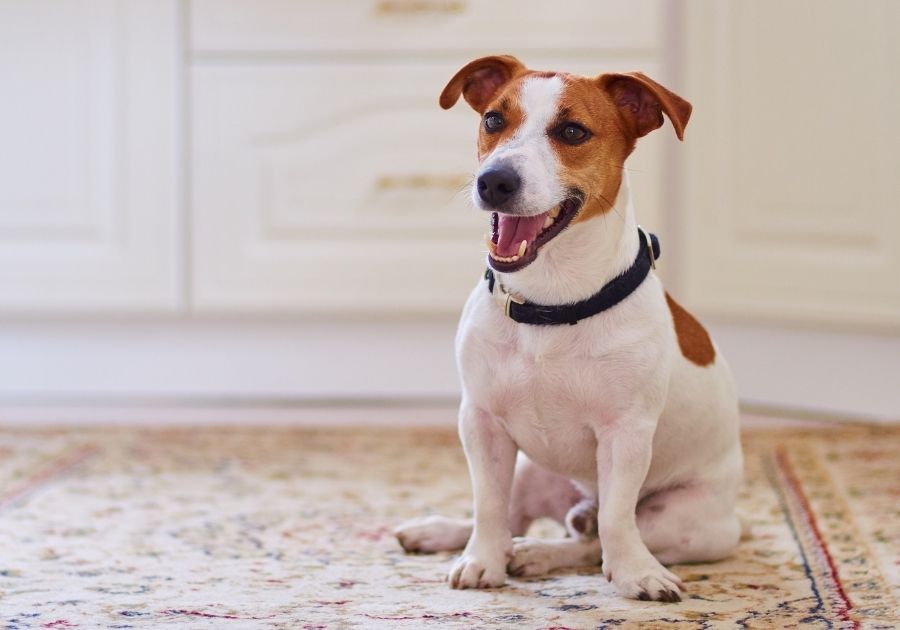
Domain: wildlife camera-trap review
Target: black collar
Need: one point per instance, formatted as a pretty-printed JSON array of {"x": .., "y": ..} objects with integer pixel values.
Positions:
[{"x": 609, "y": 295}]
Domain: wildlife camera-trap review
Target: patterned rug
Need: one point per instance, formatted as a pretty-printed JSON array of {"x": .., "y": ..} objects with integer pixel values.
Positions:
[{"x": 290, "y": 528}]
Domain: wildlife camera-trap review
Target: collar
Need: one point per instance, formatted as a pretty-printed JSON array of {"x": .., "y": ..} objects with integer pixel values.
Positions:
[{"x": 610, "y": 294}]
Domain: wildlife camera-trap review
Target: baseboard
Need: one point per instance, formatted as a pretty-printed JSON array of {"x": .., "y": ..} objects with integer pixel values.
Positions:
[
  {"x": 247, "y": 414},
  {"x": 220, "y": 364},
  {"x": 227, "y": 360},
  {"x": 819, "y": 374},
  {"x": 393, "y": 414}
]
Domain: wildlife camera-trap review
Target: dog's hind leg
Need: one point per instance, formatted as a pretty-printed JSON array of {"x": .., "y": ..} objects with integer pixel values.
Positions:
[
  {"x": 690, "y": 524},
  {"x": 536, "y": 493},
  {"x": 539, "y": 493}
]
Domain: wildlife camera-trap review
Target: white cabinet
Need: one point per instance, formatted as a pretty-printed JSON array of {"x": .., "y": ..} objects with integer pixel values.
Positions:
[
  {"x": 336, "y": 187},
  {"x": 325, "y": 177},
  {"x": 330, "y": 187},
  {"x": 792, "y": 180},
  {"x": 409, "y": 29},
  {"x": 275, "y": 157},
  {"x": 265, "y": 156},
  {"x": 89, "y": 216}
]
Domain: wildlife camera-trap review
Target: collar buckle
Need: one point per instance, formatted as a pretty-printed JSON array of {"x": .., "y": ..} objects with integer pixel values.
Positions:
[
  {"x": 649, "y": 243},
  {"x": 510, "y": 298}
]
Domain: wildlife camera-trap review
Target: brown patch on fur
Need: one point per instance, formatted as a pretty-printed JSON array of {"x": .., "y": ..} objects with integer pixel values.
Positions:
[
  {"x": 580, "y": 523},
  {"x": 642, "y": 102},
  {"x": 506, "y": 100},
  {"x": 595, "y": 166},
  {"x": 581, "y": 519},
  {"x": 479, "y": 80},
  {"x": 616, "y": 109},
  {"x": 694, "y": 341},
  {"x": 511, "y": 108}
]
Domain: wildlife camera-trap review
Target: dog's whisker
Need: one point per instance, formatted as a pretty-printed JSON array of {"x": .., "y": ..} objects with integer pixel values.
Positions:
[{"x": 611, "y": 205}]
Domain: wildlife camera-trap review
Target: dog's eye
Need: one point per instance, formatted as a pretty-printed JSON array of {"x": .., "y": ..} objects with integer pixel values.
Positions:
[
  {"x": 573, "y": 133},
  {"x": 493, "y": 122}
]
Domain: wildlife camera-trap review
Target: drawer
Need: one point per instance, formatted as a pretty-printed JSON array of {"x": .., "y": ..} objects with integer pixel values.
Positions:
[
  {"x": 310, "y": 194},
  {"x": 495, "y": 26}
]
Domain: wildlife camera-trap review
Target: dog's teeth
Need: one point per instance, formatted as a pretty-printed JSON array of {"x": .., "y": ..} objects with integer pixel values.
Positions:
[
  {"x": 555, "y": 212},
  {"x": 492, "y": 247},
  {"x": 522, "y": 247},
  {"x": 548, "y": 222},
  {"x": 504, "y": 259}
]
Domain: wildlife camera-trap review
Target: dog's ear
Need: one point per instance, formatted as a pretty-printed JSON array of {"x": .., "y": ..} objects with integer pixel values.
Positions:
[
  {"x": 642, "y": 102},
  {"x": 479, "y": 80}
]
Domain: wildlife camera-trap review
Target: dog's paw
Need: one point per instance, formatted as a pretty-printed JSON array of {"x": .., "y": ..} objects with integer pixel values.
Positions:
[
  {"x": 429, "y": 534},
  {"x": 473, "y": 571},
  {"x": 581, "y": 519},
  {"x": 531, "y": 556},
  {"x": 646, "y": 580}
]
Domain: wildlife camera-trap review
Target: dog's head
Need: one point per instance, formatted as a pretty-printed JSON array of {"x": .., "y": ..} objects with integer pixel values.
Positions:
[{"x": 552, "y": 146}]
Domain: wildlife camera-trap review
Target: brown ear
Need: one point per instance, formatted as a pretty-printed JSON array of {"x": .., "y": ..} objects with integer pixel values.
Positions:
[
  {"x": 642, "y": 101},
  {"x": 479, "y": 80}
]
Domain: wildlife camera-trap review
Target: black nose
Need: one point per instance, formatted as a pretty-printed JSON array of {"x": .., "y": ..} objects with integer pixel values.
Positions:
[{"x": 496, "y": 185}]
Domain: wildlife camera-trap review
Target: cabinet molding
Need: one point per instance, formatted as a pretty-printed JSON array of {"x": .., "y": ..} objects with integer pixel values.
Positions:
[
  {"x": 314, "y": 193},
  {"x": 791, "y": 194},
  {"x": 422, "y": 27},
  {"x": 84, "y": 364},
  {"x": 89, "y": 212}
]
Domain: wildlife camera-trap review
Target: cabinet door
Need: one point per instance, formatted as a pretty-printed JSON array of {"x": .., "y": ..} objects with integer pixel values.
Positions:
[
  {"x": 793, "y": 187},
  {"x": 341, "y": 186},
  {"x": 88, "y": 194}
]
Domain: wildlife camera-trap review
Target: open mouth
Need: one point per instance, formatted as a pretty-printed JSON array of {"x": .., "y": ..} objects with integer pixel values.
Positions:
[{"x": 515, "y": 240}]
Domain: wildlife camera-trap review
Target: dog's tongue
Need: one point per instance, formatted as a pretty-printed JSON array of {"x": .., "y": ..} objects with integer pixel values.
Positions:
[{"x": 513, "y": 230}]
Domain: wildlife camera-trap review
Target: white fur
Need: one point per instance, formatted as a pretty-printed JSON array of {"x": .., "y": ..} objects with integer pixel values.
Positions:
[
  {"x": 529, "y": 151},
  {"x": 609, "y": 404}
]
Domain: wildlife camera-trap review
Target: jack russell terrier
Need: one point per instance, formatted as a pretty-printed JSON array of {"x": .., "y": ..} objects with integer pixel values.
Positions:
[{"x": 589, "y": 395}]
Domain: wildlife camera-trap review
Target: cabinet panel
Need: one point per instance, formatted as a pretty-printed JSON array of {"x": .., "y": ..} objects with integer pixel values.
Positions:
[
  {"x": 421, "y": 26},
  {"x": 792, "y": 189},
  {"x": 88, "y": 199},
  {"x": 342, "y": 186}
]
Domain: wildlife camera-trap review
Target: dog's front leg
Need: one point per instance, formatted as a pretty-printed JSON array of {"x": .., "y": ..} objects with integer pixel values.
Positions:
[
  {"x": 623, "y": 459},
  {"x": 491, "y": 454}
]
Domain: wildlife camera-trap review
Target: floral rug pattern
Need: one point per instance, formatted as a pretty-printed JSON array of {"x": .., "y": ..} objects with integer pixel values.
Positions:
[{"x": 290, "y": 528}]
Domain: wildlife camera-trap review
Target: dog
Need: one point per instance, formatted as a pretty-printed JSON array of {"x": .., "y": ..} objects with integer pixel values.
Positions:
[{"x": 589, "y": 395}]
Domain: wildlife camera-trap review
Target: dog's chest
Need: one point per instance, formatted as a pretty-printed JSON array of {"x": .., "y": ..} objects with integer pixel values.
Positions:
[{"x": 550, "y": 387}]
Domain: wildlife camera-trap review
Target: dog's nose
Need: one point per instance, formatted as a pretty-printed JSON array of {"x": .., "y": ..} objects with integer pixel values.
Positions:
[{"x": 496, "y": 185}]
